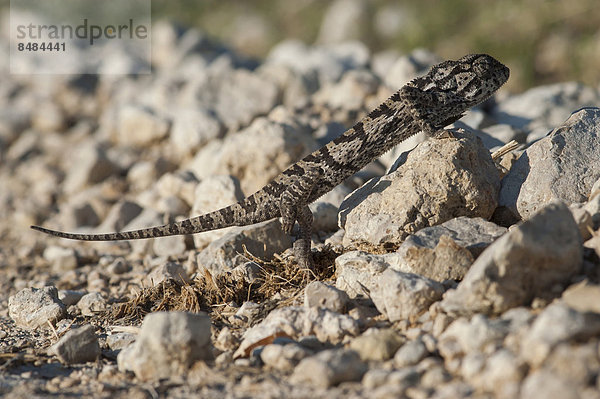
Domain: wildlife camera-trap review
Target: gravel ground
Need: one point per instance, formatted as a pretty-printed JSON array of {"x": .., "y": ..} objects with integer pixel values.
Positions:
[{"x": 441, "y": 272}]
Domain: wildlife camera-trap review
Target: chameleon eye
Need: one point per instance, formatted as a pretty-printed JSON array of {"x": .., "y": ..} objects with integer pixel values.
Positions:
[{"x": 481, "y": 68}]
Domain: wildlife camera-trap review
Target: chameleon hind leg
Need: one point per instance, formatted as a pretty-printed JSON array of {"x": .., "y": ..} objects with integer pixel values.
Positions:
[
  {"x": 294, "y": 207},
  {"x": 302, "y": 244}
]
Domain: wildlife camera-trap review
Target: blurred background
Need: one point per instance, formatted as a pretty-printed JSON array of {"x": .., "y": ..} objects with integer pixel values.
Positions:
[{"x": 542, "y": 41}]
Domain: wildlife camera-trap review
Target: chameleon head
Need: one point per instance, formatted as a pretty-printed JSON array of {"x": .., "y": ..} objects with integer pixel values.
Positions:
[{"x": 471, "y": 79}]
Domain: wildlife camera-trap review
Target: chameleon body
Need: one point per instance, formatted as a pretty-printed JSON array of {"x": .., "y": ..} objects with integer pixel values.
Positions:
[{"x": 428, "y": 103}]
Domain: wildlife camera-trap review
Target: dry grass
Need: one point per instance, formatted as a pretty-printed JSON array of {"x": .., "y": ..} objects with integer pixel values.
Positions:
[{"x": 212, "y": 293}]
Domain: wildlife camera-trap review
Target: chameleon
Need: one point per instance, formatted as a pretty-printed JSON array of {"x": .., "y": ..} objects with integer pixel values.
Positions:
[{"x": 427, "y": 103}]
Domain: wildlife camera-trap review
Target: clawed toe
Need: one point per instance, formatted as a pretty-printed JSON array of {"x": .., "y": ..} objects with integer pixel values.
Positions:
[
  {"x": 444, "y": 134},
  {"x": 306, "y": 263},
  {"x": 303, "y": 254},
  {"x": 287, "y": 227}
]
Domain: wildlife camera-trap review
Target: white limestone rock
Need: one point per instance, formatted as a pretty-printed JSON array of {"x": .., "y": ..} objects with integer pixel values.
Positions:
[
  {"x": 193, "y": 128},
  {"x": 70, "y": 297},
  {"x": 329, "y": 368},
  {"x": 526, "y": 262},
  {"x": 556, "y": 324},
  {"x": 170, "y": 246},
  {"x": 120, "y": 340},
  {"x": 542, "y": 384},
  {"x": 562, "y": 166},
  {"x": 88, "y": 164},
  {"x": 357, "y": 272},
  {"x": 167, "y": 345},
  {"x": 31, "y": 308},
  {"x": 440, "y": 180},
  {"x": 377, "y": 344},
  {"x": 62, "y": 259},
  {"x": 283, "y": 357},
  {"x": 262, "y": 240},
  {"x": 269, "y": 148},
  {"x": 319, "y": 294},
  {"x": 478, "y": 335},
  {"x": 181, "y": 184},
  {"x": 540, "y": 109},
  {"x": 296, "y": 322},
  {"x": 326, "y": 63},
  {"x": 119, "y": 215},
  {"x": 408, "y": 67},
  {"x": 410, "y": 353},
  {"x": 447, "y": 251},
  {"x": 401, "y": 296},
  {"x": 91, "y": 304},
  {"x": 350, "y": 92},
  {"x": 79, "y": 345},
  {"x": 236, "y": 96},
  {"x": 501, "y": 374},
  {"x": 140, "y": 126},
  {"x": 168, "y": 270}
]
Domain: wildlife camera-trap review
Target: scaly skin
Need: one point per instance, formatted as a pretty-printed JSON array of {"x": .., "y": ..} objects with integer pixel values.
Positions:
[{"x": 428, "y": 104}]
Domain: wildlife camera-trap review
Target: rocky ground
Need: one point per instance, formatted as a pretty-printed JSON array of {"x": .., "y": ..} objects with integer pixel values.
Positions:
[{"x": 442, "y": 272}]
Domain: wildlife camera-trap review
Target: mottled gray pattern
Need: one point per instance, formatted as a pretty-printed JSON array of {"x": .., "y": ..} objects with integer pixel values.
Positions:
[{"x": 425, "y": 104}]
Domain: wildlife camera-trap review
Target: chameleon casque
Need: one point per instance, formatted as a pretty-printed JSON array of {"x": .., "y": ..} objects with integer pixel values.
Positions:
[{"x": 428, "y": 103}]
